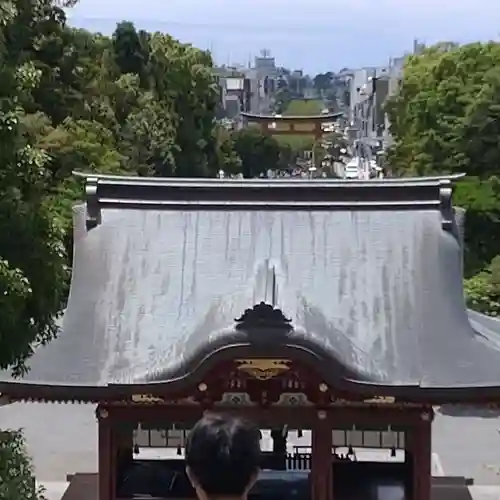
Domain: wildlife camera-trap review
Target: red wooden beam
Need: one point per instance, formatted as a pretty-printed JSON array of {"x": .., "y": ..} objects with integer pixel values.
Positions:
[{"x": 295, "y": 416}]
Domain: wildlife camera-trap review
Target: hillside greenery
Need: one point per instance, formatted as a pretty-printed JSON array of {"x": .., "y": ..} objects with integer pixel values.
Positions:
[{"x": 445, "y": 119}]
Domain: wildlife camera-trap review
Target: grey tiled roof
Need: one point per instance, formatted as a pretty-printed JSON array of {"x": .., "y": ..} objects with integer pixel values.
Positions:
[{"x": 378, "y": 291}]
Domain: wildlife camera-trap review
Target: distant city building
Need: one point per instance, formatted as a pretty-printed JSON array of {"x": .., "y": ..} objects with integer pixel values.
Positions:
[
  {"x": 265, "y": 65},
  {"x": 232, "y": 106},
  {"x": 368, "y": 91},
  {"x": 235, "y": 94},
  {"x": 253, "y": 87}
]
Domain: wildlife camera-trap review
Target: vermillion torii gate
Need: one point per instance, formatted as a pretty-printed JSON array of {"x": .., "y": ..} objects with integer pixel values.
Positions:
[{"x": 292, "y": 124}]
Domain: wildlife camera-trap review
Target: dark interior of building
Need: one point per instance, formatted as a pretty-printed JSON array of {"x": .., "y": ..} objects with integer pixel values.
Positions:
[{"x": 167, "y": 479}]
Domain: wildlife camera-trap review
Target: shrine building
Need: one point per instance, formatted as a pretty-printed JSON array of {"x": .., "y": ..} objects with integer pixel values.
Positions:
[{"x": 329, "y": 307}]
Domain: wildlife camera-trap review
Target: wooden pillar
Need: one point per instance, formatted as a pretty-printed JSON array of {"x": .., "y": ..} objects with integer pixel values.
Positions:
[
  {"x": 422, "y": 456},
  {"x": 123, "y": 452},
  {"x": 411, "y": 438},
  {"x": 124, "y": 443},
  {"x": 105, "y": 451},
  {"x": 279, "y": 437},
  {"x": 318, "y": 131},
  {"x": 409, "y": 467},
  {"x": 322, "y": 462}
]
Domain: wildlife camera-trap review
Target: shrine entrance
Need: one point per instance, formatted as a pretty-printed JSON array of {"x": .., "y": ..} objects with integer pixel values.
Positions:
[{"x": 387, "y": 443}]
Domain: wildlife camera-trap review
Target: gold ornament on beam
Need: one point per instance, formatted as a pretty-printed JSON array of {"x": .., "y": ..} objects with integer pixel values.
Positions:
[
  {"x": 380, "y": 400},
  {"x": 263, "y": 369},
  {"x": 146, "y": 398}
]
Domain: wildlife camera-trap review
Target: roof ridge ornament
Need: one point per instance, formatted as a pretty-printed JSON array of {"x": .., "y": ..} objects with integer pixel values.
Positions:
[
  {"x": 446, "y": 204},
  {"x": 263, "y": 316},
  {"x": 92, "y": 199}
]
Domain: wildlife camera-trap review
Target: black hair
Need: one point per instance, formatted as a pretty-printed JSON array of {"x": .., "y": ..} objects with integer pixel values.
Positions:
[{"x": 223, "y": 454}]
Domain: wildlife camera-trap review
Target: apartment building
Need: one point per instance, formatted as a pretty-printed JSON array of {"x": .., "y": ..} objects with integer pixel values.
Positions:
[
  {"x": 248, "y": 89},
  {"x": 369, "y": 89}
]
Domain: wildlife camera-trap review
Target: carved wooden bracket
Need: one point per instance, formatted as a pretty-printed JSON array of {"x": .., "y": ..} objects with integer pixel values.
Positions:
[
  {"x": 92, "y": 199},
  {"x": 446, "y": 205}
]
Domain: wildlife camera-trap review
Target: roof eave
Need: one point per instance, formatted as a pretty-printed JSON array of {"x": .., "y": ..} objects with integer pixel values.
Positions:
[
  {"x": 216, "y": 194},
  {"x": 19, "y": 391}
]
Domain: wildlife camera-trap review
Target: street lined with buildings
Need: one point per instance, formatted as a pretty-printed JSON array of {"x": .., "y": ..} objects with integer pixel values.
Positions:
[{"x": 359, "y": 94}]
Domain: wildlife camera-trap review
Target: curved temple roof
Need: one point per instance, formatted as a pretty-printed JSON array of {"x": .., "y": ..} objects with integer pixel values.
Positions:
[{"x": 369, "y": 275}]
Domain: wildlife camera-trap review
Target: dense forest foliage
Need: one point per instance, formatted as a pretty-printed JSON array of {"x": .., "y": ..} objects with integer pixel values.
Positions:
[{"x": 445, "y": 119}]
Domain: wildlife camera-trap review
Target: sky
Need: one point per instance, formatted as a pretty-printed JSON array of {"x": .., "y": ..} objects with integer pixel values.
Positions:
[{"x": 313, "y": 35}]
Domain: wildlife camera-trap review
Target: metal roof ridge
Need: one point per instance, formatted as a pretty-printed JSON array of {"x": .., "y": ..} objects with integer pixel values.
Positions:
[
  {"x": 266, "y": 183},
  {"x": 145, "y": 193}
]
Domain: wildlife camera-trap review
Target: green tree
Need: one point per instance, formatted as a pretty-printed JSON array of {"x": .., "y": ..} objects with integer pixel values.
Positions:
[
  {"x": 445, "y": 119},
  {"x": 32, "y": 263},
  {"x": 258, "y": 152},
  {"x": 183, "y": 79},
  {"x": 33, "y": 274},
  {"x": 131, "y": 50},
  {"x": 149, "y": 138},
  {"x": 228, "y": 159},
  {"x": 323, "y": 82},
  {"x": 16, "y": 470},
  {"x": 288, "y": 156},
  {"x": 283, "y": 97},
  {"x": 483, "y": 290}
]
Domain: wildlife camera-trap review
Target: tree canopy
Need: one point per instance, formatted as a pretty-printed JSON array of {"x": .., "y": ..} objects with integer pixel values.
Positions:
[
  {"x": 445, "y": 119},
  {"x": 17, "y": 479},
  {"x": 33, "y": 274},
  {"x": 446, "y": 112},
  {"x": 258, "y": 153}
]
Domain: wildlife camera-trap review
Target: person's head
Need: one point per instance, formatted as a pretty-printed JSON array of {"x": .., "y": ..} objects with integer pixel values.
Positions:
[{"x": 222, "y": 457}]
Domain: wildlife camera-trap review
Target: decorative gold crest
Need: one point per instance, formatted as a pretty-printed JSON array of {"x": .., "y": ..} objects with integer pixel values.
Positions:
[
  {"x": 263, "y": 369},
  {"x": 146, "y": 398},
  {"x": 373, "y": 400},
  {"x": 381, "y": 400}
]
